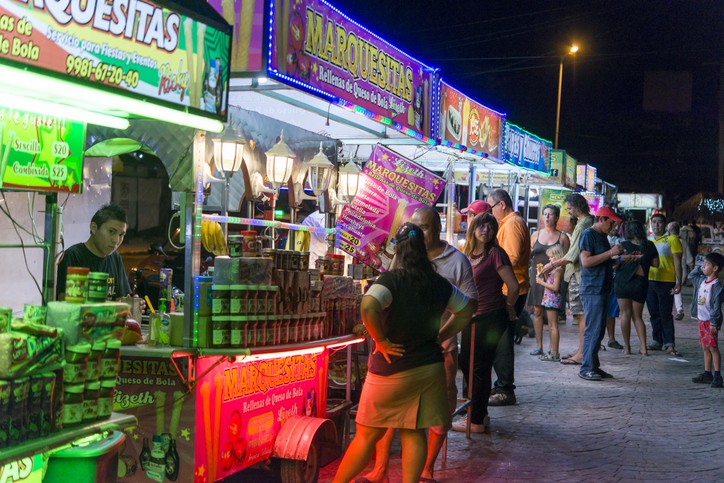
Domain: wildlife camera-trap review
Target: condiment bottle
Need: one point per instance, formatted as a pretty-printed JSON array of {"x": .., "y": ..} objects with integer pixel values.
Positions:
[
  {"x": 172, "y": 461},
  {"x": 156, "y": 466}
]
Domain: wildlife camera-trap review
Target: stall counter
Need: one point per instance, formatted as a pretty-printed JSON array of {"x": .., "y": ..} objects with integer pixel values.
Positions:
[{"x": 221, "y": 409}]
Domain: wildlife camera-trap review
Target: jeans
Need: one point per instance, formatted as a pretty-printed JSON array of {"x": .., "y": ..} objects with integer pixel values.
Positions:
[
  {"x": 660, "y": 302},
  {"x": 504, "y": 363},
  {"x": 489, "y": 327},
  {"x": 595, "y": 309}
]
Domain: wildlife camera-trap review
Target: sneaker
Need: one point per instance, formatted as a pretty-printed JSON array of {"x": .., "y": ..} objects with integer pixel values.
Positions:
[
  {"x": 679, "y": 315},
  {"x": 615, "y": 345},
  {"x": 461, "y": 425},
  {"x": 703, "y": 378},
  {"x": 717, "y": 382},
  {"x": 654, "y": 347},
  {"x": 536, "y": 352},
  {"x": 603, "y": 374},
  {"x": 502, "y": 399}
]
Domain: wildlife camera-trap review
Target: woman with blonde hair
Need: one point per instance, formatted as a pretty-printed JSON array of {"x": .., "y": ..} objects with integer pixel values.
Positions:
[{"x": 540, "y": 241}]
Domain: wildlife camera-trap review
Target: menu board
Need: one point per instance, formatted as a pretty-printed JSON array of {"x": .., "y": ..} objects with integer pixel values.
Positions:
[
  {"x": 40, "y": 152},
  {"x": 526, "y": 150},
  {"x": 391, "y": 188},
  {"x": 464, "y": 121},
  {"x": 142, "y": 48},
  {"x": 316, "y": 47}
]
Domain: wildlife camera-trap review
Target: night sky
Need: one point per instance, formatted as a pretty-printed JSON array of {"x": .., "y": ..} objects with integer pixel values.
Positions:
[{"x": 640, "y": 99}]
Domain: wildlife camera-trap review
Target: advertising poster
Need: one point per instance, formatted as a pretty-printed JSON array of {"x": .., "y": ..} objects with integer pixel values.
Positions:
[
  {"x": 142, "y": 48},
  {"x": 391, "y": 188},
  {"x": 40, "y": 152},
  {"x": 246, "y": 17},
  {"x": 241, "y": 406},
  {"x": 556, "y": 197},
  {"x": 150, "y": 389},
  {"x": 526, "y": 150},
  {"x": 466, "y": 122},
  {"x": 316, "y": 46}
]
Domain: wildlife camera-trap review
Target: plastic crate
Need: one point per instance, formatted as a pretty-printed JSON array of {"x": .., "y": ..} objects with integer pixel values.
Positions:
[{"x": 90, "y": 463}]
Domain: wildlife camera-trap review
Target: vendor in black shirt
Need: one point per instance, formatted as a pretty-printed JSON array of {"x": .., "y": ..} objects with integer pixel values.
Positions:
[{"x": 98, "y": 253}]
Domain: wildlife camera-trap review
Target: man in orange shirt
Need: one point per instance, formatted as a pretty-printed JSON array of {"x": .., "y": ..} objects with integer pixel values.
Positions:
[{"x": 514, "y": 238}]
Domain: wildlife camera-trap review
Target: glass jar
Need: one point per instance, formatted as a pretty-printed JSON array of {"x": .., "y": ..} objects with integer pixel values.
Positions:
[
  {"x": 90, "y": 400},
  {"x": 97, "y": 287},
  {"x": 73, "y": 404},
  {"x": 105, "y": 398},
  {"x": 75, "y": 370}
]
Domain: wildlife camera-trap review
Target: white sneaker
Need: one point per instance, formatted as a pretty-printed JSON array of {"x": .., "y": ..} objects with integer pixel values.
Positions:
[{"x": 461, "y": 425}]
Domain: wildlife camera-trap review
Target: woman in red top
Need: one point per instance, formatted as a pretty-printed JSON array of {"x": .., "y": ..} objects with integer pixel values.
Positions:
[{"x": 491, "y": 269}]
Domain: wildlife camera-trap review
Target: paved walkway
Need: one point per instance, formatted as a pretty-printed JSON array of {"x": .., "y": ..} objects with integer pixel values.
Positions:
[{"x": 649, "y": 423}]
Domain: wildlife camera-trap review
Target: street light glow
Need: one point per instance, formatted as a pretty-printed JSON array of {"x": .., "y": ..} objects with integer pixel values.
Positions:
[{"x": 573, "y": 49}]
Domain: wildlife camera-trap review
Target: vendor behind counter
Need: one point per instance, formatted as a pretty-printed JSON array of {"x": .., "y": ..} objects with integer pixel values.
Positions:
[{"x": 99, "y": 252}]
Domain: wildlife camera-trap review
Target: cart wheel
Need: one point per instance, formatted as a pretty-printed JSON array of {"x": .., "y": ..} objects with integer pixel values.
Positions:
[{"x": 298, "y": 471}]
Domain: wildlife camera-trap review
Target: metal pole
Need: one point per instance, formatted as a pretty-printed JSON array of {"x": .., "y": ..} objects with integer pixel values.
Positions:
[
  {"x": 52, "y": 215},
  {"x": 558, "y": 106},
  {"x": 225, "y": 203}
]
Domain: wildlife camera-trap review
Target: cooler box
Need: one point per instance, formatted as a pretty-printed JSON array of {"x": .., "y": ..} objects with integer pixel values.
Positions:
[{"x": 94, "y": 462}]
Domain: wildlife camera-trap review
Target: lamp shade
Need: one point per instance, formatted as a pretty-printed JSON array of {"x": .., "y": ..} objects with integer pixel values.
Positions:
[
  {"x": 279, "y": 162},
  {"x": 229, "y": 151},
  {"x": 319, "y": 171},
  {"x": 348, "y": 181}
]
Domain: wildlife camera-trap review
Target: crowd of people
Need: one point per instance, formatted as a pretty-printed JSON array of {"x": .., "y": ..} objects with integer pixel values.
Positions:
[{"x": 605, "y": 269}]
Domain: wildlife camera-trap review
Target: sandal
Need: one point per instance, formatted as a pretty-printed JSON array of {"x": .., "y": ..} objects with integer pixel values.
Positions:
[
  {"x": 551, "y": 357},
  {"x": 570, "y": 362},
  {"x": 673, "y": 352},
  {"x": 537, "y": 352}
]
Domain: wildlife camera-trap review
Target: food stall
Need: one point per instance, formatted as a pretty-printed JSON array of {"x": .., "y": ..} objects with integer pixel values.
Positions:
[{"x": 60, "y": 359}]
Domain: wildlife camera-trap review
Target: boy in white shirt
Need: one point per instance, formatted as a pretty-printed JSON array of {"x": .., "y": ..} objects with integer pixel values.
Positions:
[{"x": 706, "y": 307}]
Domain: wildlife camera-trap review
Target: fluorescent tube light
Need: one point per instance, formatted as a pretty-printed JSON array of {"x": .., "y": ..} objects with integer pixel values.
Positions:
[
  {"x": 69, "y": 93},
  {"x": 61, "y": 110}
]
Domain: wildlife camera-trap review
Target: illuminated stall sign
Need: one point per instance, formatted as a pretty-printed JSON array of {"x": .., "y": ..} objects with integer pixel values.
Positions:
[
  {"x": 40, "y": 152},
  {"x": 316, "y": 47},
  {"x": 526, "y": 150},
  {"x": 241, "y": 406},
  {"x": 247, "y": 45},
  {"x": 571, "y": 163},
  {"x": 466, "y": 123},
  {"x": 581, "y": 175},
  {"x": 142, "y": 48},
  {"x": 391, "y": 188},
  {"x": 558, "y": 170},
  {"x": 590, "y": 178}
]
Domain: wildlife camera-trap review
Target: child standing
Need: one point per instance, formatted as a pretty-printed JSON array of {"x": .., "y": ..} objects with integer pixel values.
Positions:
[
  {"x": 552, "y": 301},
  {"x": 706, "y": 307}
]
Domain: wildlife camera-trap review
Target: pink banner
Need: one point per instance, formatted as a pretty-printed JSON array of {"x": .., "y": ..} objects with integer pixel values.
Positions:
[
  {"x": 391, "y": 188},
  {"x": 241, "y": 406}
]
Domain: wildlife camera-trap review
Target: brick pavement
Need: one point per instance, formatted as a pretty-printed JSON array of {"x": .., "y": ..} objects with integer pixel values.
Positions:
[{"x": 649, "y": 423}]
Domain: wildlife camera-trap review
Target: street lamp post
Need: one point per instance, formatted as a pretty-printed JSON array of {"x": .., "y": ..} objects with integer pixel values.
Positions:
[{"x": 572, "y": 50}]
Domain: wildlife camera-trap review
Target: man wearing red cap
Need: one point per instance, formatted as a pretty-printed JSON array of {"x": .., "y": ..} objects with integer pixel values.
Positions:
[{"x": 595, "y": 288}]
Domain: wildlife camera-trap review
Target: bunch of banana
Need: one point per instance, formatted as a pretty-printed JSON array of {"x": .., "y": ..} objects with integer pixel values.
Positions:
[{"x": 212, "y": 238}]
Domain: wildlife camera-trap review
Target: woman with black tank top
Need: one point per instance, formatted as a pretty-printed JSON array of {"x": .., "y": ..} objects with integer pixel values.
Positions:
[{"x": 540, "y": 241}]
